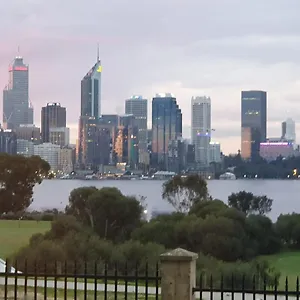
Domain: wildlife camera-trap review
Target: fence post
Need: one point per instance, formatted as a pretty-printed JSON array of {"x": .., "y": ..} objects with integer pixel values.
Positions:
[{"x": 178, "y": 274}]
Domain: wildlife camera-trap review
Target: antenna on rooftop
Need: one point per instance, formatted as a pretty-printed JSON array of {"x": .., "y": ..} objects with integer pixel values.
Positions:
[{"x": 98, "y": 53}]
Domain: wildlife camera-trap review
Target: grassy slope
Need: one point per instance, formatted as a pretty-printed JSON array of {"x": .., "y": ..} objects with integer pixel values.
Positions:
[
  {"x": 16, "y": 234},
  {"x": 288, "y": 263}
]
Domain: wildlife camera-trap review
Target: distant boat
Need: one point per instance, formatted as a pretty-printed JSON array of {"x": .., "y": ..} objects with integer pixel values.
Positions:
[{"x": 227, "y": 176}]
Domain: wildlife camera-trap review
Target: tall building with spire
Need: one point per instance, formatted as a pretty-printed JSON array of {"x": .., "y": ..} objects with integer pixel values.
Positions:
[
  {"x": 90, "y": 114},
  {"x": 17, "y": 108},
  {"x": 91, "y": 91}
]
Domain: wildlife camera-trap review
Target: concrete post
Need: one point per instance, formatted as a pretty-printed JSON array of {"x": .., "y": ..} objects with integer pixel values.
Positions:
[{"x": 178, "y": 275}]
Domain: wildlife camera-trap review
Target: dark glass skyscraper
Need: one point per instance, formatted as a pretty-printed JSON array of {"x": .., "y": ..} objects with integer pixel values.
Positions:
[
  {"x": 8, "y": 142},
  {"x": 254, "y": 122},
  {"x": 17, "y": 109},
  {"x": 138, "y": 106},
  {"x": 166, "y": 127},
  {"x": 91, "y": 92},
  {"x": 89, "y": 116},
  {"x": 53, "y": 116}
]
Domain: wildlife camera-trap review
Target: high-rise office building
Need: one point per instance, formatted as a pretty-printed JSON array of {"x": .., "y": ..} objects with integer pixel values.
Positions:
[
  {"x": 201, "y": 129},
  {"x": 94, "y": 150},
  {"x": 253, "y": 122},
  {"x": 126, "y": 142},
  {"x": 17, "y": 108},
  {"x": 53, "y": 116},
  {"x": 288, "y": 130},
  {"x": 8, "y": 141},
  {"x": 90, "y": 114},
  {"x": 28, "y": 132},
  {"x": 138, "y": 107},
  {"x": 166, "y": 127},
  {"x": 91, "y": 91}
]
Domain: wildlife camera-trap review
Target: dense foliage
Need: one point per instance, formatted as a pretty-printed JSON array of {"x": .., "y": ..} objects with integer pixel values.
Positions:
[
  {"x": 18, "y": 176},
  {"x": 104, "y": 226}
]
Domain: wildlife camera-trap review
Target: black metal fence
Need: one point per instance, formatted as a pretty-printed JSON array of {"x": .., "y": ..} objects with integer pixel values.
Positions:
[
  {"x": 246, "y": 288},
  {"x": 106, "y": 282},
  {"x": 87, "y": 281}
]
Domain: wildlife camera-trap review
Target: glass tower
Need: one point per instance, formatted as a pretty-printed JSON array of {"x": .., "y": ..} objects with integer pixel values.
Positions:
[
  {"x": 17, "y": 109},
  {"x": 254, "y": 122},
  {"x": 166, "y": 127}
]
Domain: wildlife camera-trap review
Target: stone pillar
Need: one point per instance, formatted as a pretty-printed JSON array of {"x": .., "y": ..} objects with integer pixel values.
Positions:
[{"x": 178, "y": 275}]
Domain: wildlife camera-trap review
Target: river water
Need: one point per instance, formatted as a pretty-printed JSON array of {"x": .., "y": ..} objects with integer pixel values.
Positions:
[{"x": 285, "y": 193}]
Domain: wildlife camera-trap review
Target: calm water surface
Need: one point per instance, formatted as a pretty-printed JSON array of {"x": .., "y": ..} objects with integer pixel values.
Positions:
[{"x": 285, "y": 193}]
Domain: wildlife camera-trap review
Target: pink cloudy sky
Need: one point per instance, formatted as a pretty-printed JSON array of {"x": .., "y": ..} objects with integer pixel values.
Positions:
[{"x": 188, "y": 48}]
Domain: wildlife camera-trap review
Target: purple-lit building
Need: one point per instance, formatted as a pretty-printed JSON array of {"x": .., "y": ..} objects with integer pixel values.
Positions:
[{"x": 271, "y": 150}]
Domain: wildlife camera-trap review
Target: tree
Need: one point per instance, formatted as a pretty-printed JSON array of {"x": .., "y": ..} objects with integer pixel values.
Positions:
[
  {"x": 112, "y": 215},
  {"x": 288, "y": 229},
  {"x": 79, "y": 206},
  {"x": 183, "y": 192},
  {"x": 206, "y": 208},
  {"x": 18, "y": 176},
  {"x": 248, "y": 203},
  {"x": 263, "y": 238},
  {"x": 160, "y": 230}
]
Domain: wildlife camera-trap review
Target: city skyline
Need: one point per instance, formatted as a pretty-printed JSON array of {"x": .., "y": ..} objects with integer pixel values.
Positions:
[{"x": 254, "y": 54}]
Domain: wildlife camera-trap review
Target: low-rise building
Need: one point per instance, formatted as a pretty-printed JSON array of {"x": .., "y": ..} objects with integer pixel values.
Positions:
[
  {"x": 65, "y": 164},
  {"x": 25, "y": 147},
  {"x": 50, "y": 153}
]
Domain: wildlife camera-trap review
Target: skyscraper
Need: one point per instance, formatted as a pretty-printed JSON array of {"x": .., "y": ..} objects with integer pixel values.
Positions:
[
  {"x": 126, "y": 144},
  {"x": 253, "y": 122},
  {"x": 8, "y": 141},
  {"x": 53, "y": 116},
  {"x": 17, "y": 109},
  {"x": 166, "y": 127},
  {"x": 90, "y": 113},
  {"x": 201, "y": 129},
  {"x": 138, "y": 107},
  {"x": 289, "y": 130},
  {"x": 91, "y": 91}
]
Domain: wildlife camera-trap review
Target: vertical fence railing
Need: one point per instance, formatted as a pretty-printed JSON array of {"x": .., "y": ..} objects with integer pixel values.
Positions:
[
  {"x": 243, "y": 287},
  {"x": 78, "y": 280}
]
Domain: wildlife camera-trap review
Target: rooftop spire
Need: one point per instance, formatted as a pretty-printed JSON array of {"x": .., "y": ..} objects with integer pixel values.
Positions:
[{"x": 98, "y": 54}]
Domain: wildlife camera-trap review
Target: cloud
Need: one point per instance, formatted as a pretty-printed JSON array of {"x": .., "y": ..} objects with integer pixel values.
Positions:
[{"x": 194, "y": 47}]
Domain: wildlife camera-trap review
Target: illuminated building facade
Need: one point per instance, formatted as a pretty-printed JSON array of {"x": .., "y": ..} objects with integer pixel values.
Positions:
[
  {"x": 94, "y": 150},
  {"x": 17, "y": 109},
  {"x": 201, "y": 129},
  {"x": 253, "y": 122},
  {"x": 272, "y": 150},
  {"x": 138, "y": 107},
  {"x": 126, "y": 143},
  {"x": 166, "y": 127}
]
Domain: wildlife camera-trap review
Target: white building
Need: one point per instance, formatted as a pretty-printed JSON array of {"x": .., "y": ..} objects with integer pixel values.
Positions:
[
  {"x": 59, "y": 136},
  {"x": 25, "y": 147},
  {"x": 289, "y": 130},
  {"x": 50, "y": 153},
  {"x": 201, "y": 128},
  {"x": 65, "y": 163},
  {"x": 214, "y": 152}
]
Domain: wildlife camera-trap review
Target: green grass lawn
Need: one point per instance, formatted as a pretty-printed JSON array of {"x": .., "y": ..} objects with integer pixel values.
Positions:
[
  {"x": 288, "y": 264},
  {"x": 16, "y": 234}
]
